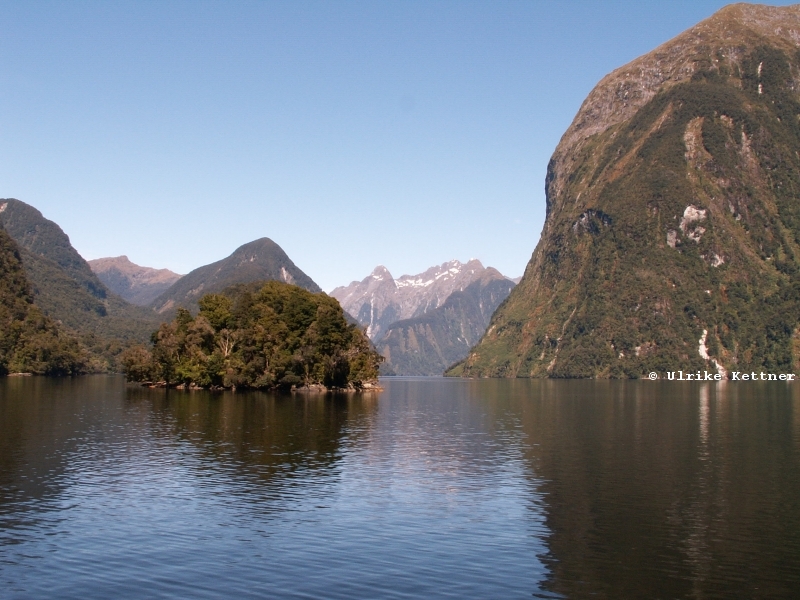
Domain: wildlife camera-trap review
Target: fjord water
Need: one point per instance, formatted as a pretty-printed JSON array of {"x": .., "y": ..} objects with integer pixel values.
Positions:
[{"x": 431, "y": 489}]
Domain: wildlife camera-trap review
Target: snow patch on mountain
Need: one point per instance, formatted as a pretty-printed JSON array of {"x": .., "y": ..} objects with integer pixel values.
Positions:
[{"x": 380, "y": 300}]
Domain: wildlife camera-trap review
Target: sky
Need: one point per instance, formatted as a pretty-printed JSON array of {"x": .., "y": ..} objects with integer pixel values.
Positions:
[{"x": 351, "y": 133}]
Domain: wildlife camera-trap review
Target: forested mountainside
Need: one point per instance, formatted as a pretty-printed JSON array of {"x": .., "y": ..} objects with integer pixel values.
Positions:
[
  {"x": 64, "y": 286},
  {"x": 259, "y": 260},
  {"x": 31, "y": 342},
  {"x": 672, "y": 234},
  {"x": 430, "y": 343},
  {"x": 138, "y": 285}
]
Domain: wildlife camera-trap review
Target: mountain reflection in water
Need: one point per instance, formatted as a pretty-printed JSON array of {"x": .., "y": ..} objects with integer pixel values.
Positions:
[{"x": 432, "y": 489}]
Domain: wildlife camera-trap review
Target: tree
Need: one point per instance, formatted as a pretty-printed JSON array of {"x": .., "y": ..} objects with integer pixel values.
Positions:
[{"x": 261, "y": 336}]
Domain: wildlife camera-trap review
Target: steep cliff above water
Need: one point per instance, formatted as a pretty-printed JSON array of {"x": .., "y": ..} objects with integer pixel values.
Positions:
[{"x": 672, "y": 235}]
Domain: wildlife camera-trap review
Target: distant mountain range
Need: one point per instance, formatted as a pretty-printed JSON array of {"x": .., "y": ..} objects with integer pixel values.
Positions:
[
  {"x": 138, "y": 285},
  {"x": 424, "y": 323},
  {"x": 430, "y": 343},
  {"x": 259, "y": 260},
  {"x": 421, "y": 323},
  {"x": 380, "y": 300}
]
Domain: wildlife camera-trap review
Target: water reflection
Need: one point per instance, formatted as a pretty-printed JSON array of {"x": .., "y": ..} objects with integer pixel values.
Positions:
[
  {"x": 434, "y": 488},
  {"x": 262, "y": 434},
  {"x": 662, "y": 490}
]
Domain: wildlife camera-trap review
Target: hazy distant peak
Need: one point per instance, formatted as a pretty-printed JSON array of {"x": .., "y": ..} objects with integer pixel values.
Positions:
[
  {"x": 136, "y": 284},
  {"x": 381, "y": 273},
  {"x": 379, "y": 300}
]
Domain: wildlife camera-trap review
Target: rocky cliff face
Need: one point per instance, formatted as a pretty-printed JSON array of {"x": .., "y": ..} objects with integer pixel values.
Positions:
[
  {"x": 430, "y": 343},
  {"x": 424, "y": 323},
  {"x": 259, "y": 260},
  {"x": 138, "y": 285},
  {"x": 380, "y": 300},
  {"x": 672, "y": 236}
]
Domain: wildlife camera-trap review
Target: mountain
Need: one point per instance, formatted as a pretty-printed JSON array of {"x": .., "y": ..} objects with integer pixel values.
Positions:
[
  {"x": 380, "y": 300},
  {"x": 138, "y": 285},
  {"x": 672, "y": 233},
  {"x": 430, "y": 343},
  {"x": 30, "y": 342},
  {"x": 424, "y": 323},
  {"x": 259, "y": 260},
  {"x": 64, "y": 286}
]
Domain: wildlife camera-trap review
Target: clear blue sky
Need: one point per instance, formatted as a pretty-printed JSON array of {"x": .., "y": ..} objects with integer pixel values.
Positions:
[{"x": 351, "y": 133}]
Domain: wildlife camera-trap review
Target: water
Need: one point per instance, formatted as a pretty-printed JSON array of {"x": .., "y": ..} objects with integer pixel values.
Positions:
[{"x": 432, "y": 489}]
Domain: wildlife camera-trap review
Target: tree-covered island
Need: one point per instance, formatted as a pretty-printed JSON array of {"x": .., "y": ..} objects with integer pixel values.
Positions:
[{"x": 258, "y": 336}]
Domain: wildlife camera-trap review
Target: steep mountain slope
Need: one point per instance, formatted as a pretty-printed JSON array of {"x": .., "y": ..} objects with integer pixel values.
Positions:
[
  {"x": 428, "y": 344},
  {"x": 260, "y": 260},
  {"x": 64, "y": 286},
  {"x": 379, "y": 300},
  {"x": 672, "y": 236},
  {"x": 138, "y": 285},
  {"x": 29, "y": 341}
]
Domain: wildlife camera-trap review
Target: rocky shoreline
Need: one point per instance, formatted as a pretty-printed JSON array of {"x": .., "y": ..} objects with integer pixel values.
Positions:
[{"x": 368, "y": 386}]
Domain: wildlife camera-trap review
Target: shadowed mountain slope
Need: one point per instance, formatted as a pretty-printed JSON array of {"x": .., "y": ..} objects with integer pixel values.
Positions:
[
  {"x": 64, "y": 286},
  {"x": 259, "y": 260},
  {"x": 31, "y": 342},
  {"x": 429, "y": 344},
  {"x": 672, "y": 235}
]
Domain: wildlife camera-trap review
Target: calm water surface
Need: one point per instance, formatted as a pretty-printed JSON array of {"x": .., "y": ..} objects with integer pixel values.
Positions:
[{"x": 432, "y": 489}]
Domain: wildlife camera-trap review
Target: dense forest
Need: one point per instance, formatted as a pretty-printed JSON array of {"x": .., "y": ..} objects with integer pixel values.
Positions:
[
  {"x": 31, "y": 342},
  {"x": 258, "y": 336}
]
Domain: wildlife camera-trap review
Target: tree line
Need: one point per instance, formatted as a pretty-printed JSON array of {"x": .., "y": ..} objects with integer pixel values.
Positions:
[{"x": 257, "y": 336}]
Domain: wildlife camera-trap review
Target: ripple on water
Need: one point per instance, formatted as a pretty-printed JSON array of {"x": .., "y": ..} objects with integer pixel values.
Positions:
[{"x": 434, "y": 489}]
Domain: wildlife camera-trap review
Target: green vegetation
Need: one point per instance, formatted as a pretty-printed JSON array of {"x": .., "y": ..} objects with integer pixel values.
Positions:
[
  {"x": 262, "y": 336},
  {"x": 65, "y": 289},
  {"x": 622, "y": 283},
  {"x": 259, "y": 260},
  {"x": 30, "y": 342}
]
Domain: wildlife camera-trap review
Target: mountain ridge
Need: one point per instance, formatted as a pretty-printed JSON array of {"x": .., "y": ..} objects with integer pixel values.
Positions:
[
  {"x": 426, "y": 345},
  {"x": 137, "y": 284},
  {"x": 379, "y": 299},
  {"x": 259, "y": 260},
  {"x": 672, "y": 235},
  {"x": 64, "y": 286},
  {"x": 423, "y": 323}
]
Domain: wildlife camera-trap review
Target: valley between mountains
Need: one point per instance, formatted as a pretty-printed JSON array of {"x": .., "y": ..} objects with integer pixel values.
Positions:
[{"x": 421, "y": 324}]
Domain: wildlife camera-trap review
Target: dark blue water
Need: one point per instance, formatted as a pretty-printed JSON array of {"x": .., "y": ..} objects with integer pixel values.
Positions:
[{"x": 431, "y": 489}]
